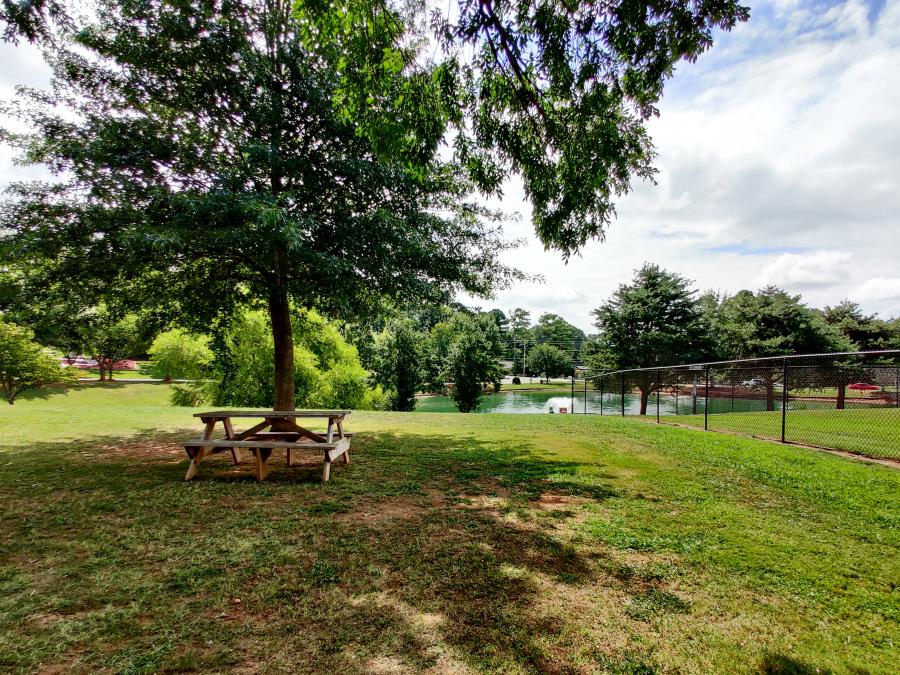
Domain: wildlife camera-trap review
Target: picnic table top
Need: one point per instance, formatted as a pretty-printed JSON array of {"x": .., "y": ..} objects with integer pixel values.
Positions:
[{"x": 274, "y": 413}]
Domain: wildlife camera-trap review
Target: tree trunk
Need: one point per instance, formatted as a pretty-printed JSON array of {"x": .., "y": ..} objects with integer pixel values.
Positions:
[
  {"x": 280, "y": 314},
  {"x": 841, "y": 395},
  {"x": 168, "y": 378},
  {"x": 102, "y": 370},
  {"x": 645, "y": 398},
  {"x": 109, "y": 370}
]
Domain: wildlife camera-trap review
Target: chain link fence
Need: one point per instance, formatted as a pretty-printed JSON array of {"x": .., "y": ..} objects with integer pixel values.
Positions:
[{"x": 847, "y": 401}]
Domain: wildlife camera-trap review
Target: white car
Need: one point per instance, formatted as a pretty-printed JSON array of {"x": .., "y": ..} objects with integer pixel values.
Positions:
[{"x": 756, "y": 382}]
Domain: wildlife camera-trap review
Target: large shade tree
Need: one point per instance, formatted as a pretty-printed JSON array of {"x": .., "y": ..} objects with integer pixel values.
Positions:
[
  {"x": 202, "y": 165},
  {"x": 272, "y": 151}
]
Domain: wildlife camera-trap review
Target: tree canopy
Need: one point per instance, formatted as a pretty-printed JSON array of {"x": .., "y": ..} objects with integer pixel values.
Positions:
[
  {"x": 653, "y": 321},
  {"x": 398, "y": 363},
  {"x": 200, "y": 147},
  {"x": 772, "y": 322},
  {"x": 557, "y": 93}
]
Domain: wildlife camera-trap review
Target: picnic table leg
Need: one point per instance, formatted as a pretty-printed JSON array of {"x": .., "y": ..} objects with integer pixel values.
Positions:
[
  {"x": 340, "y": 427},
  {"x": 262, "y": 462},
  {"x": 229, "y": 434},
  {"x": 326, "y": 469},
  {"x": 199, "y": 453}
]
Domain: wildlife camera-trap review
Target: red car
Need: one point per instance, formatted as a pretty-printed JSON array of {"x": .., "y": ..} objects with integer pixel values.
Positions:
[{"x": 862, "y": 386}]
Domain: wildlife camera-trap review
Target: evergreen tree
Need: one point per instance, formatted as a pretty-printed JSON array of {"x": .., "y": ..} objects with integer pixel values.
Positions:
[{"x": 654, "y": 321}]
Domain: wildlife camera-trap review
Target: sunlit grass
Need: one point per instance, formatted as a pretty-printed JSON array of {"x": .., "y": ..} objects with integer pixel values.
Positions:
[{"x": 874, "y": 432}]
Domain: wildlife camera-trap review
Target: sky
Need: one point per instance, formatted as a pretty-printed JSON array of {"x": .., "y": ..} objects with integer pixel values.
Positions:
[
  {"x": 779, "y": 163},
  {"x": 778, "y": 159}
]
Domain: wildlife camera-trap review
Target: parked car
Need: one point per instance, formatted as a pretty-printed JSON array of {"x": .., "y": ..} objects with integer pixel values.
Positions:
[
  {"x": 757, "y": 382},
  {"x": 863, "y": 386}
]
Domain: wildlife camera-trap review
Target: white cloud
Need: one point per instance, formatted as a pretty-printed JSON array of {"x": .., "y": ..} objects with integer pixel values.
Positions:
[
  {"x": 805, "y": 270},
  {"x": 779, "y": 159},
  {"x": 879, "y": 288}
]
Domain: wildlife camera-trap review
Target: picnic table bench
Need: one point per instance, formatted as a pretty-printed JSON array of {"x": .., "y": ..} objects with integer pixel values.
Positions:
[{"x": 288, "y": 436}]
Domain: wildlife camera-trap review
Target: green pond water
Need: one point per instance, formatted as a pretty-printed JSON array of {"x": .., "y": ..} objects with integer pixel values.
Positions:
[{"x": 537, "y": 402}]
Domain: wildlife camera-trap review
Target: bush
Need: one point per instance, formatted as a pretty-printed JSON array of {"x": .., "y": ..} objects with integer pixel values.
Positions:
[
  {"x": 327, "y": 372},
  {"x": 24, "y": 364},
  {"x": 344, "y": 386},
  {"x": 191, "y": 396},
  {"x": 176, "y": 354}
]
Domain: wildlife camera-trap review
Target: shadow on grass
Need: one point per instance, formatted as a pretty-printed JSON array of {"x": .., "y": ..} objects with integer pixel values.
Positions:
[
  {"x": 427, "y": 551},
  {"x": 780, "y": 664}
]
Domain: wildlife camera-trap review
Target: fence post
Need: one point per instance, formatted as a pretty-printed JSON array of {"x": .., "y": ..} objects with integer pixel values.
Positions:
[
  {"x": 677, "y": 387},
  {"x": 657, "y": 395},
  {"x": 623, "y": 394},
  {"x": 585, "y": 393},
  {"x": 897, "y": 386},
  {"x": 706, "y": 402},
  {"x": 784, "y": 395},
  {"x": 601, "y": 396},
  {"x": 572, "y": 394}
]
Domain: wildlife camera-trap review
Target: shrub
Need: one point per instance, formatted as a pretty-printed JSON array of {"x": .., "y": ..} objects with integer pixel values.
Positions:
[
  {"x": 177, "y": 354},
  {"x": 191, "y": 396},
  {"x": 327, "y": 372},
  {"x": 24, "y": 364}
]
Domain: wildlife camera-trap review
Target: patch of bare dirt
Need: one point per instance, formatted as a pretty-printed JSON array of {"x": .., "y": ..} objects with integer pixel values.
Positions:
[
  {"x": 399, "y": 508},
  {"x": 556, "y": 502}
]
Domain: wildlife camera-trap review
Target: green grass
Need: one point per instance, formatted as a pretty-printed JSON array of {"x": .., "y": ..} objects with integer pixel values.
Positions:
[
  {"x": 480, "y": 543},
  {"x": 141, "y": 373},
  {"x": 558, "y": 385},
  {"x": 874, "y": 432}
]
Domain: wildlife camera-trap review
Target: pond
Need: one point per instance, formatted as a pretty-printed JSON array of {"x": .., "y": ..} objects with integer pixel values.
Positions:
[{"x": 610, "y": 404}]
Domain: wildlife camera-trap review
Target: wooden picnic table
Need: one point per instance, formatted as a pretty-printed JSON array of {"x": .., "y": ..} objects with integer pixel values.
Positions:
[{"x": 262, "y": 441}]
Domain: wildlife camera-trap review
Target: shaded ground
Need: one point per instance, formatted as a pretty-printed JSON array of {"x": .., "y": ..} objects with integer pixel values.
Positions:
[{"x": 450, "y": 544}]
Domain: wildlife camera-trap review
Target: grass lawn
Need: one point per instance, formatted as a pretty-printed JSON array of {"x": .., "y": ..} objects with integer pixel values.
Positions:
[
  {"x": 452, "y": 543},
  {"x": 874, "y": 432}
]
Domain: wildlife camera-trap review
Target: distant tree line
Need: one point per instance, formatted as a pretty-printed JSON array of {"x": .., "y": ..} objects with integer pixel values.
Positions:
[
  {"x": 655, "y": 320},
  {"x": 659, "y": 320}
]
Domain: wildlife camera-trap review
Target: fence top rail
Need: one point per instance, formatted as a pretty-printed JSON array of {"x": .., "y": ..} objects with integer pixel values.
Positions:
[{"x": 706, "y": 364}]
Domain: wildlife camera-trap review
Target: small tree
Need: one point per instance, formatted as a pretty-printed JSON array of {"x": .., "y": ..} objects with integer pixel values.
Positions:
[
  {"x": 654, "y": 321},
  {"x": 177, "y": 354},
  {"x": 398, "y": 369},
  {"x": 24, "y": 364},
  {"x": 473, "y": 359},
  {"x": 864, "y": 332},
  {"x": 549, "y": 361},
  {"x": 109, "y": 340}
]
